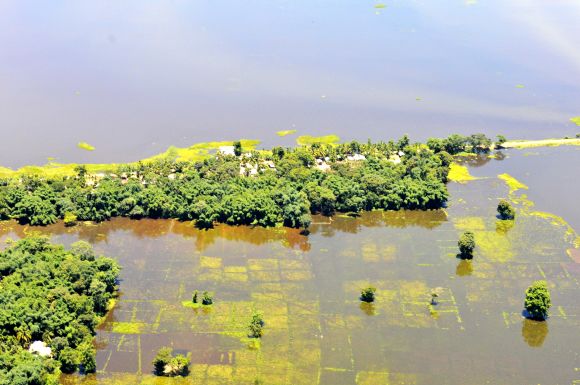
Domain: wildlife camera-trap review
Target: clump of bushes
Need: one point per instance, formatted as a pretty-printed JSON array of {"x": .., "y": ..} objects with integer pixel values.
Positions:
[
  {"x": 368, "y": 294},
  {"x": 466, "y": 245},
  {"x": 169, "y": 365},
  {"x": 538, "y": 302},
  {"x": 207, "y": 298},
  {"x": 505, "y": 210},
  {"x": 70, "y": 219},
  {"x": 256, "y": 325}
]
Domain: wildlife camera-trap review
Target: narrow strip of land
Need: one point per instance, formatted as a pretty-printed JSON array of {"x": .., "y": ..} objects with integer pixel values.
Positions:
[{"x": 541, "y": 143}]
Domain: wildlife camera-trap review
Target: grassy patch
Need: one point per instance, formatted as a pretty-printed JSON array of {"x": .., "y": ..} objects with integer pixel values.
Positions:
[
  {"x": 128, "y": 327},
  {"x": 575, "y": 120},
  {"x": 305, "y": 140},
  {"x": 459, "y": 174},
  {"x": 85, "y": 146},
  {"x": 513, "y": 184},
  {"x": 380, "y": 6},
  {"x": 285, "y": 132}
]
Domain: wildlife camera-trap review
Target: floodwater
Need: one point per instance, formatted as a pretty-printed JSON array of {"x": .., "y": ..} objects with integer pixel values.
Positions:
[
  {"x": 133, "y": 77},
  {"x": 317, "y": 331}
]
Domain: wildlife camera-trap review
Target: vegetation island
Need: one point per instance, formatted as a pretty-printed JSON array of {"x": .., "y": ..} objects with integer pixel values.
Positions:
[{"x": 239, "y": 186}]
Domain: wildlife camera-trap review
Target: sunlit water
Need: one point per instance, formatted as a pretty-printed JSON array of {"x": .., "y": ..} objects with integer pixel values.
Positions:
[{"x": 133, "y": 77}]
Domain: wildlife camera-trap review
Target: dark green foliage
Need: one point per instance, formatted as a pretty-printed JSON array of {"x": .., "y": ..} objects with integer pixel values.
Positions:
[
  {"x": 194, "y": 297},
  {"x": 500, "y": 141},
  {"x": 23, "y": 368},
  {"x": 368, "y": 294},
  {"x": 207, "y": 298},
  {"x": 538, "y": 302},
  {"x": 238, "y": 148},
  {"x": 256, "y": 326},
  {"x": 69, "y": 360},
  {"x": 53, "y": 295},
  {"x": 214, "y": 191},
  {"x": 166, "y": 364},
  {"x": 505, "y": 210},
  {"x": 466, "y": 244}
]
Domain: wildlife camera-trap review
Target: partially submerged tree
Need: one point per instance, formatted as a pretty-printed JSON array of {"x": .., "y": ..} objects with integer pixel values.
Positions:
[
  {"x": 505, "y": 210},
  {"x": 256, "y": 325},
  {"x": 368, "y": 294},
  {"x": 166, "y": 364},
  {"x": 538, "y": 302},
  {"x": 207, "y": 298},
  {"x": 466, "y": 244}
]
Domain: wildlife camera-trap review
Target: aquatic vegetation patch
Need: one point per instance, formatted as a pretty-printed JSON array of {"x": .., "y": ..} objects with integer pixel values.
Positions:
[
  {"x": 128, "y": 327},
  {"x": 85, "y": 146},
  {"x": 380, "y": 6},
  {"x": 285, "y": 132},
  {"x": 575, "y": 120},
  {"x": 307, "y": 140},
  {"x": 469, "y": 223},
  {"x": 493, "y": 246},
  {"x": 513, "y": 184},
  {"x": 459, "y": 174}
]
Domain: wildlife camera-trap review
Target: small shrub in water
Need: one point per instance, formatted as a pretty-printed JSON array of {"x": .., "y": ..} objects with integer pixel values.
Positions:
[
  {"x": 256, "y": 326},
  {"x": 505, "y": 210},
  {"x": 466, "y": 244},
  {"x": 194, "y": 297},
  {"x": 368, "y": 294},
  {"x": 207, "y": 298}
]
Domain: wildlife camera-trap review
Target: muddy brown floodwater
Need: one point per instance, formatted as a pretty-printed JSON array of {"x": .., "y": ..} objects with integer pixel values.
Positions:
[{"x": 316, "y": 329}]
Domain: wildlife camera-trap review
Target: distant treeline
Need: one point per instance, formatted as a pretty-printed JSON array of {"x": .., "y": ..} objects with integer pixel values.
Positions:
[{"x": 282, "y": 186}]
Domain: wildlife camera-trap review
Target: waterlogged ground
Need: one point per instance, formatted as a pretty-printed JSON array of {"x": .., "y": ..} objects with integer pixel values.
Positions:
[{"x": 317, "y": 331}]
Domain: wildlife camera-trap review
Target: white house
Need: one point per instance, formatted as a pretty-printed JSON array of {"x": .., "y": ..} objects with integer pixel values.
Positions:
[{"x": 227, "y": 150}]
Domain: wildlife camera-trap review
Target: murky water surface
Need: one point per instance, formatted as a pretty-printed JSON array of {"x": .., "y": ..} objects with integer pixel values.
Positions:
[
  {"x": 317, "y": 331},
  {"x": 133, "y": 77}
]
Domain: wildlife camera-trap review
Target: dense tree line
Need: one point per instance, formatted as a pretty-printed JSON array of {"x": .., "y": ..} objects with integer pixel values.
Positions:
[
  {"x": 285, "y": 189},
  {"x": 55, "y": 296}
]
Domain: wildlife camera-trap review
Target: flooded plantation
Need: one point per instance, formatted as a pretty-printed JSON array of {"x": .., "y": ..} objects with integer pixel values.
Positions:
[{"x": 317, "y": 331}]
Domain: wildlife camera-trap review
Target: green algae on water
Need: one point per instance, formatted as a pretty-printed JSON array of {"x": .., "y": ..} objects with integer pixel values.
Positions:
[
  {"x": 513, "y": 184},
  {"x": 459, "y": 173},
  {"x": 575, "y": 120},
  {"x": 85, "y": 146},
  {"x": 305, "y": 140},
  {"x": 285, "y": 132}
]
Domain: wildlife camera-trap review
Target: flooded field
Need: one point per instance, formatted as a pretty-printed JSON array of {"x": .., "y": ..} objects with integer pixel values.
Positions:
[
  {"x": 317, "y": 331},
  {"x": 132, "y": 78}
]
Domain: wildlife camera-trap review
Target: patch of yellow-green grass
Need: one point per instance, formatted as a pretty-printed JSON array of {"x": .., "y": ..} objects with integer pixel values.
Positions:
[
  {"x": 494, "y": 246},
  {"x": 85, "y": 146},
  {"x": 469, "y": 224},
  {"x": 380, "y": 5},
  {"x": 520, "y": 86},
  {"x": 305, "y": 140},
  {"x": 199, "y": 151},
  {"x": 210, "y": 262},
  {"x": 192, "y": 305},
  {"x": 459, "y": 173},
  {"x": 513, "y": 184},
  {"x": 285, "y": 132},
  {"x": 541, "y": 143},
  {"x": 372, "y": 378},
  {"x": 128, "y": 327},
  {"x": 575, "y": 120}
]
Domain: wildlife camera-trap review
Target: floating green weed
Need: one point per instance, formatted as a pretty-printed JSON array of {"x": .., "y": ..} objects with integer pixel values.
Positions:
[
  {"x": 513, "y": 184},
  {"x": 459, "y": 173},
  {"x": 85, "y": 146},
  {"x": 575, "y": 120},
  {"x": 285, "y": 132},
  {"x": 305, "y": 140}
]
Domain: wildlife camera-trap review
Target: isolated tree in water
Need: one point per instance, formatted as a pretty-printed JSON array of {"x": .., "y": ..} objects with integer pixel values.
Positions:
[
  {"x": 466, "y": 244},
  {"x": 538, "y": 301},
  {"x": 505, "y": 210}
]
